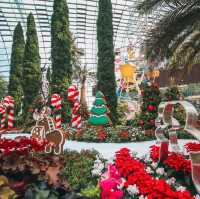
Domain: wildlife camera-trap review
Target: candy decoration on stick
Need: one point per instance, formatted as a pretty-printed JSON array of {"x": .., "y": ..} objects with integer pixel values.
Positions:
[
  {"x": 57, "y": 104},
  {"x": 8, "y": 102},
  {"x": 73, "y": 95},
  {"x": 3, "y": 116},
  {"x": 76, "y": 117}
]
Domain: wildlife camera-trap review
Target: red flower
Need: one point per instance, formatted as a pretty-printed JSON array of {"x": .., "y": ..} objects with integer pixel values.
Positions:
[
  {"x": 124, "y": 134},
  {"x": 101, "y": 135},
  {"x": 151, "y": 108}
]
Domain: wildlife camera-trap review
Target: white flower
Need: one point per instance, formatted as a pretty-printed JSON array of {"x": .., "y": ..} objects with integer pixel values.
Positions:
[
  {"x": 171, "y": 181},
  {"x": 122, "y": 184},
  {"x": 149, "y": 170},
  {"x": 160, "y": 171},
  {"x": 142, "y": 197},
  {"x": 96, "y": 172},
  {"x": 132, "y": 190},
  {"x": 134, "y": 154},
  {"x": 181, "y": 188},
  {"x": 154, "y": 165},
  {"x": 197, "y": 196}
]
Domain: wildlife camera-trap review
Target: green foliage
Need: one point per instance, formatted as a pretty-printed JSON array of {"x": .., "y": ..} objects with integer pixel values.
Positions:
[
  {"x": 61, "y": 53},
  {"x": 99, "y": 111},
  {"x": 77, "y": 169},
  {"x": 149, "y": 109},
  {"x": 115, "y": 134},
  {"x": 91, "y": 192},
  {"x": 105, "y": 71},
  {"x": 31, "y": 66},
  {"x": 3, "y": 87},
  {"x": 172, "y": 94},
  {"x": 16, "y": 67}
]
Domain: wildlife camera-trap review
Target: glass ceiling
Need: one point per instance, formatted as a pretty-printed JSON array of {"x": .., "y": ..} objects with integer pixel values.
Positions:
[{"x": 129, "y": 27}]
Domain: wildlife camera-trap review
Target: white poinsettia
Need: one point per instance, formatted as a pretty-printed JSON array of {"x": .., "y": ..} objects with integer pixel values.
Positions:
[
  {"x": 160, "y": 171},
  {"x": 197, "y": 196},
  {"x": 181, "y": 188},
  {"x": 171, "y": 181},
  {"x": 97, "y": 167},
  {"x": 133, "y": 190},
  {"x": 149, "y": 170},
  {"x": 154, "y": 165},
  {"x": 143, "y": 197}
]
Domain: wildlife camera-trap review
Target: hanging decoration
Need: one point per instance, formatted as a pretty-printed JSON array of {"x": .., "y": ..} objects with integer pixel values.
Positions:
[
  {"x": 56, "y": 103},
  {"x": 73, "y": 97}
]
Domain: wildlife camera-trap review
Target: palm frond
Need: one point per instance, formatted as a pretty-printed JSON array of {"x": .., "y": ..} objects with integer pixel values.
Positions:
[
  {"x": 167, "y": 30},
  {"x": 188, "y": 52},
  {"x": 147, "y": 6}
]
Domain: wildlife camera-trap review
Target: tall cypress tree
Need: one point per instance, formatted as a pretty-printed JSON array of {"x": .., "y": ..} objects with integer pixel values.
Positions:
[
  {"x": 16, "y": 67},
  {"x": 106, "y": 71},
  {"x": 31, "y": 66},
  {"x": 61, "y": 53}
]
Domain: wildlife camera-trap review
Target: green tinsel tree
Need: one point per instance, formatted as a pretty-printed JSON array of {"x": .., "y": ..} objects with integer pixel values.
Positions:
[
  {"x": 61, "y": 54},
  {"x": 149, "y": 108},
  {"x": 106, "y": 70},
  {"x": 31, "y": 66},
  {"x": 16, "y": 67},
  {"x": 99, "y": 111}
]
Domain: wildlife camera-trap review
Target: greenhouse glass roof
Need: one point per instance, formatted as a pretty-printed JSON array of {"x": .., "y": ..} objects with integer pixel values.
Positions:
[{"x": 128, "y": 26}]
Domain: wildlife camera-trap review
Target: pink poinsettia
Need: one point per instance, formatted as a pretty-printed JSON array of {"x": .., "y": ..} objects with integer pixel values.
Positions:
[{"x": 109, "y": 183}]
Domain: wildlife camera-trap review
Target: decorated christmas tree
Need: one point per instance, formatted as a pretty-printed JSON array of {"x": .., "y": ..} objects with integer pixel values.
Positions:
[
  {"x": 99, "y": 111},
  {"x": 149, "y": 109}
]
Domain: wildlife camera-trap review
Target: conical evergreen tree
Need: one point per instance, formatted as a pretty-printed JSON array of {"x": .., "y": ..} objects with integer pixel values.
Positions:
[
  {"x": 31, "y": 66},
  {"x": 99, "y": 111},
  {"x": 61, "y": 53},
  {"x": 16, "y": 67},
  {"x": 106, "y": 72}
]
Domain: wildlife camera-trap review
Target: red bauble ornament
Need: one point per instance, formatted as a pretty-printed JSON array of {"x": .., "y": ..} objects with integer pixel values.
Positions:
[
  {"x": 152, "y": 121},
  {"x": 150, "y": 108},
  {"x": 141, "y": 122}
]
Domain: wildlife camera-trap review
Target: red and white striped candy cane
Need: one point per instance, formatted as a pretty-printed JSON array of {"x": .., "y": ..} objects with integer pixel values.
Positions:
[
  {"x": 3, "y": 116},
  {"x": 57, "y": 105},
  {"x": 73, "y": 93},
  {"x": 76, "y": 117},
  {"x": 8, "y": 102}
]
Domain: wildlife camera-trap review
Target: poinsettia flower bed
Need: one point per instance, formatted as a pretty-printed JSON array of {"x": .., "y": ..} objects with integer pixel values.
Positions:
[
  {"x": 146, "y": 178},
  {"x": 34, "y": 174}
]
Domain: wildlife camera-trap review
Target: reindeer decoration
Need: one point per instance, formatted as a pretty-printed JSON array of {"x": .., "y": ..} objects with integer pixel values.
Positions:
[{"x": 45, "y": 129}]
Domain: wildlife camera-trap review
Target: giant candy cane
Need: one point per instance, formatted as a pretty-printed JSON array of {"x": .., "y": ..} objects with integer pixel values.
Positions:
[
  {"x": 7, "y": 107},
  {"x": 56, "y": 103},
  {"x": 73, "y": 94}
]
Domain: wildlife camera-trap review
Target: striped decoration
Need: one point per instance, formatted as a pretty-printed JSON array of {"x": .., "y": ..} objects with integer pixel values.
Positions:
[
  {"x": 73, "y": 95},
  {"x": 56, "y": 103}
]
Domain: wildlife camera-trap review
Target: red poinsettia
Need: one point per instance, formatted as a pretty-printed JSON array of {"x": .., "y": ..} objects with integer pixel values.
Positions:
[
  {"x": 101, "y": 135},
  {"x": 21, "y": 145},
  {"x": 124, "y": 134},
  {"x": 135, "y": 173}
]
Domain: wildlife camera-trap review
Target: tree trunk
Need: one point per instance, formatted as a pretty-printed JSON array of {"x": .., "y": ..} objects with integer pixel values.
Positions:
[{"x": 83, "y": 101}]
